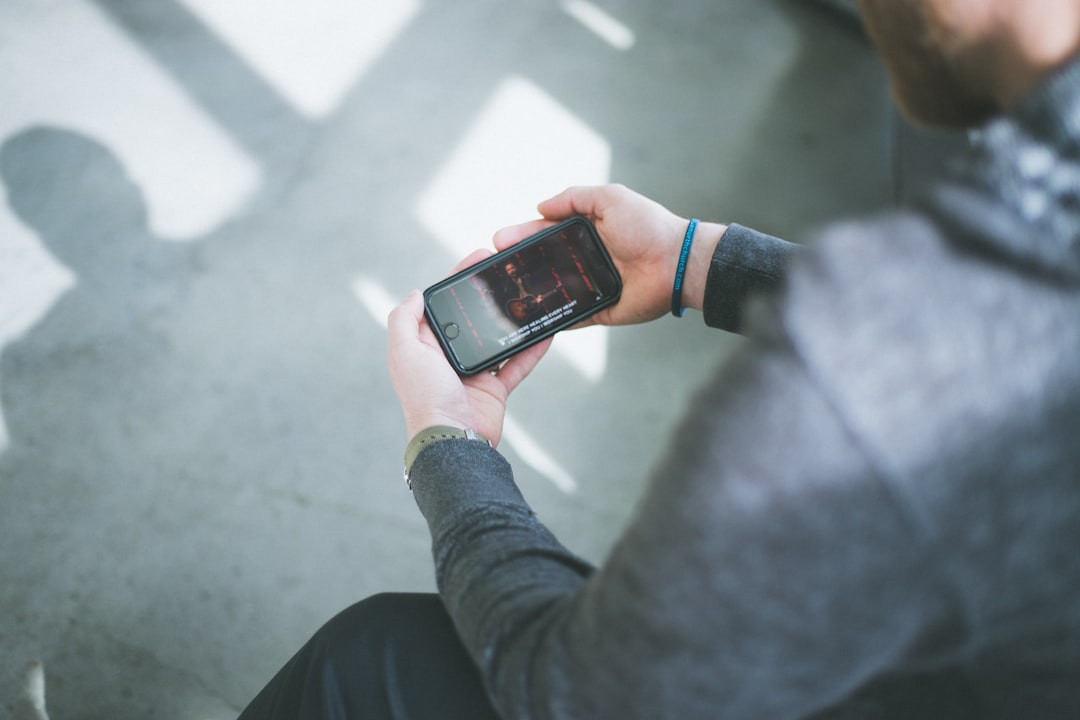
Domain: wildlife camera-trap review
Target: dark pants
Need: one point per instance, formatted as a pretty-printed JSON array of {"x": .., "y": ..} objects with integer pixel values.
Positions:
[{"x": 390, "y": 656}]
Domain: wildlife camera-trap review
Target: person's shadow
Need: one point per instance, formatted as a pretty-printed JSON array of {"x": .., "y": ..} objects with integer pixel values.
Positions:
[
  {"x": 89, "y": 443},
  {"x": 65, "y": 385},
  {"x": 177, "y": 400}
]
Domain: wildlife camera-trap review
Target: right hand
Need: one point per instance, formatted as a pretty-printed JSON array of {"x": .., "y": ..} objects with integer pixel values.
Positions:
[
  {"x": 429, "y": 390},
  {"x": 643, "y": 238}
]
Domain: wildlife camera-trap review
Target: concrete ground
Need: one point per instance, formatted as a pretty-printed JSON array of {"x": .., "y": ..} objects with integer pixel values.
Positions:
[{"x": 210, "y": 207}]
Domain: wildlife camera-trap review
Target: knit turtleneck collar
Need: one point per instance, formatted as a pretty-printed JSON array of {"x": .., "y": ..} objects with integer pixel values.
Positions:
[{"x": 1028, "y": 163}]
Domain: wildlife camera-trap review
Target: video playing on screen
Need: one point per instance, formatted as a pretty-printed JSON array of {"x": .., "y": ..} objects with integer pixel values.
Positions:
[{"x": 501, "y": 304}]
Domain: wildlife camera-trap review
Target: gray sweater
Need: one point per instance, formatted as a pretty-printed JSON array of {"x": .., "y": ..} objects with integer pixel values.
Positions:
[{"x": 873, "y": 509}]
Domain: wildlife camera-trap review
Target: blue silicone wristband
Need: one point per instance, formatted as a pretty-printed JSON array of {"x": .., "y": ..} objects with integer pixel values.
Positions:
[{"x": 676, "y": 291}]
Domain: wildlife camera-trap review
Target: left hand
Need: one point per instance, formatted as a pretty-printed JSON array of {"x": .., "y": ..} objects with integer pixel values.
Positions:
[
  {"x": 644, "y": 240},
  {"x": 431, "y": 392}
]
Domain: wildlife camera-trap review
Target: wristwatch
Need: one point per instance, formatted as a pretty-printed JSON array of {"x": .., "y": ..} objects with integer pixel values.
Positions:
[{"x": 432, "y": 435}]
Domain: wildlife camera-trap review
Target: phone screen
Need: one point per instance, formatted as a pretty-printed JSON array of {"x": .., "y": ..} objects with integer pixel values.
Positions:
[{"x": 522, "y": 295}]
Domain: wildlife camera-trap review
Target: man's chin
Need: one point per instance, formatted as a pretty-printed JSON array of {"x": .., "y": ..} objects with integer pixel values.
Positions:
[{"x": 954, "y": 112}]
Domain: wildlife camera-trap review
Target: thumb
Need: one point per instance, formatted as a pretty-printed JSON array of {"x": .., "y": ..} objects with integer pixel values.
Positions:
[{"x": 403, "y": 323}]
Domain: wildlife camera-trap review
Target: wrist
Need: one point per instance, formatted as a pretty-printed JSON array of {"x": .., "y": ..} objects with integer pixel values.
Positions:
[
  {"x": 415, "y": 424},
  {"x": 431, "y": 435},
  {"x": 706, "y": 238}
]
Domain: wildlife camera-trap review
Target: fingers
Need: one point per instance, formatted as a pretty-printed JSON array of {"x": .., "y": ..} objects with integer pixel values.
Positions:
[
  {"x": 403, "y": 323},
  {"x": 471, "y": 259},
  {"x": 509, "y": 236},
  {"x": 519, "y": 366},
  {"x": 572, "y": 201},
  {"x": 406, "y": 324},
  {"x": 589, "y": 201},
  {"x": 411, "y": 307}
]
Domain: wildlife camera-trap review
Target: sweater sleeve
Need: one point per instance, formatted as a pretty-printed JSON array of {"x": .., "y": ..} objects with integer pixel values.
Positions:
[
  {"x": 746, "y": 263},
  {"x": 749, "y": 584}
]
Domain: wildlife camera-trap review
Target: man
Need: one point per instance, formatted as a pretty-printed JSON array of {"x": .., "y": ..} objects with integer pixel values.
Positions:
[{"x": 873, "y": 510}]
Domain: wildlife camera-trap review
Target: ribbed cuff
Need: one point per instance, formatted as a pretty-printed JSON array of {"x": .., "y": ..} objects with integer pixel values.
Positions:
[{"x": 746, "y": 263}]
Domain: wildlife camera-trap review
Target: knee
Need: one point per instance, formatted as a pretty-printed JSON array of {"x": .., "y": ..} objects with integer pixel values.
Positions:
[
  {"x": 360, "y": 660},
  {"x": 364, "y": 631},
  {"x": 372, "y": 611}
]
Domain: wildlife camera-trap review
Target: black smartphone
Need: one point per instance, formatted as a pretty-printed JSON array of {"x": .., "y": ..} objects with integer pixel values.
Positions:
[{"x": 516, "y": 298}]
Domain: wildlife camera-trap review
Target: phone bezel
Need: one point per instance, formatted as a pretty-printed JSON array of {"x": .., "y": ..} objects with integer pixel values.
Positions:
[{"x": 537, "y": 336}]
